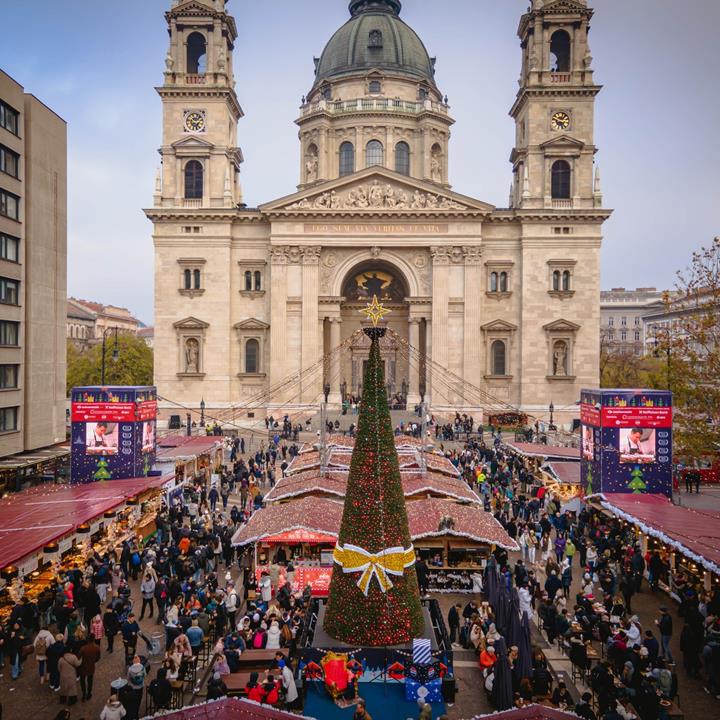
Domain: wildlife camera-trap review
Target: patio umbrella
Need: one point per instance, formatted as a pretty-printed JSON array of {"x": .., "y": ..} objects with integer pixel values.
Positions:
[
  {"x": 523, "y": 665},
  {"x": 502, "y": 686},
  {"x": 502, "y": 611},
  {"x": 514, "y": 630},
  {"x": 491, "y": 581}
]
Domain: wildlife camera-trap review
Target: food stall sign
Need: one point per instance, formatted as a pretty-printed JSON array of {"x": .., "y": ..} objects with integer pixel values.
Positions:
[
  {"x": 65, "y": 545},
  {"x": 29, "y": 565},
  {"x": 317, "y": 577},
  {"x": 300, "y": 536}
]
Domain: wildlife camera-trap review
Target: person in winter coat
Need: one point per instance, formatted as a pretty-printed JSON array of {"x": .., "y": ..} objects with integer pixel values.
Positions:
[
  {"x": 111, "y": 626},
  {"x": 265, "y": 586},
  {"x": 67, "y": 666},
  {"x": 42, "y": 642},
  {"x": 288, "y": 682},
  {"x": 147, "y": 588},
  {"x": 136, "y": 685},
  {"x": 89, "y": 655},
  {"x": 113, "y": 709},
  {"x": 273, "y": 636},
  {"x": 54, "y": 653}
]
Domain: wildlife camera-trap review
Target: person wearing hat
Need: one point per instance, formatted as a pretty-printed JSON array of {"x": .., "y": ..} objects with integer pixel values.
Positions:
[
  {"x": 113, "y": 709},
  {"x": 54, "y": 653},
  {"x": 488, "y": 658}
]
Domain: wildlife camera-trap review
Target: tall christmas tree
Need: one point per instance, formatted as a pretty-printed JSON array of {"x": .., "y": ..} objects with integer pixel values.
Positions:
[{"x": 374, "y": 598}]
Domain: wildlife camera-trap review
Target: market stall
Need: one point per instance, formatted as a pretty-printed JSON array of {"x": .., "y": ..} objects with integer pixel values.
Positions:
[
  {"x": 189, "y": 458},
  {"x": 45, "y": 465},
  {"x": 562, "y": 480}
]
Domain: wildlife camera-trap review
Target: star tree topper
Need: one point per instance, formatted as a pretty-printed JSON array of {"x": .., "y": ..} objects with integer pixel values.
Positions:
[{"x": 375, "y": 311}]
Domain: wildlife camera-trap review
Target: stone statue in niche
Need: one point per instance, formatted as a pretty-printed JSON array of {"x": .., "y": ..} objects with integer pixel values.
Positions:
[
  {"x": 192, "y": 356},
  {"x": 560, "y": 359},
  {"x": 311, "y": 166},
  {"x": 169, "y": 62}
]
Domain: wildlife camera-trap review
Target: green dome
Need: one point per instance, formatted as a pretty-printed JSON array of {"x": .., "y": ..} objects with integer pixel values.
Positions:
[{"x": 375, "y": 37}]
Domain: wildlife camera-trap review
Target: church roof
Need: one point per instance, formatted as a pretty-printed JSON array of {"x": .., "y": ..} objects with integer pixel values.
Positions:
[{"x": 375, "y": 38}]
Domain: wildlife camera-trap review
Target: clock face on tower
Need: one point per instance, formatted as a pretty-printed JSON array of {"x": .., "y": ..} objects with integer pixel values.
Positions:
[
  {"x": 195, "y": 121},
  {"x": 560, "y": 121}
]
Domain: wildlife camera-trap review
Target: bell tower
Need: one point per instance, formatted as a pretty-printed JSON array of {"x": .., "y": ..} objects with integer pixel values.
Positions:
[
  {"x": 200, "y": 158},
  {"x": 554, "y": 113}
]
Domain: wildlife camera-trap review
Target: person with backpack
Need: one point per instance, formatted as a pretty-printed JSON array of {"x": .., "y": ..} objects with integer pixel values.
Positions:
[
  {"x": 43, "y": 641},
  {"x": 135, "y": 563}
]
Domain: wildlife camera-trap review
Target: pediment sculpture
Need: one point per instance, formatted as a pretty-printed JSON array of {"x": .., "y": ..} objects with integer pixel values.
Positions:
[{"x": 377, "y": 195}]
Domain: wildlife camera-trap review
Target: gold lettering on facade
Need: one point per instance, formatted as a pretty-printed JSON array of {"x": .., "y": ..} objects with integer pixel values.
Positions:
[{"x": 376, "y": 229}]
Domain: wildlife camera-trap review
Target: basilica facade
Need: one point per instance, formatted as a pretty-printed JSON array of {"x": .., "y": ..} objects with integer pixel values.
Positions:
[{"x": 259, "y": 307}]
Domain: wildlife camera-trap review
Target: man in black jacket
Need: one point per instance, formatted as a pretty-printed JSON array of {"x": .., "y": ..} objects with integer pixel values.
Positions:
[
  {"x": 584, "y": 708},
  {"x": 454, "y": 622}
]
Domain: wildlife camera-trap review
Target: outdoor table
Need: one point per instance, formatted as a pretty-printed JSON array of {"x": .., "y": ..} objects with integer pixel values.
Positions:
[
  {"x": 236, "y": 682},
  {"x": 254, "y": 659}
]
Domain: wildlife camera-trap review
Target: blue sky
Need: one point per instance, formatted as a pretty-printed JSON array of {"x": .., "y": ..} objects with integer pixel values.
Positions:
[{"x": 96, "y": 63}]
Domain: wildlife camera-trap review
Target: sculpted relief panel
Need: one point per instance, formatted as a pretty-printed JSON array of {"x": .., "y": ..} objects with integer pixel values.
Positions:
[{"x": 377, "y": 195}]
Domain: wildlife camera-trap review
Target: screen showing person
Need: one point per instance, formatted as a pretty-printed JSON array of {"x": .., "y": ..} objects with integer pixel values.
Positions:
[
  {"x": 637, "y": 445},
  {"x": 101, "y": 438},
  {"x": 588, "y": 443},
  {"x": 148, "y": 443}
]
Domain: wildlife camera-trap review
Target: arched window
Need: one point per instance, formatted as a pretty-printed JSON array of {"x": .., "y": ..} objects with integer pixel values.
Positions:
[
  {"x": 248, "y": 280},
  {"x": 196, "y": 54},
  {"x": 556, "y": 280},
  {"x": 493, "y": 282},
  {"x": 560, "y": 51},
  {"x": 252, "y": 356},
  {"x": 258, "y": 280},
  {"x": 402, "y": 158},
  {"x": 374, "y": 153},
  {"x": 347, "y": 159},
  {"x": 497, "y": 353},
  {"x": 187, "y": 284},
  {"x": 194, "y": 180},
  {"x": 561, "y": 180},
  {"x": 196, "y": 279},
  {"x": 566, "y": 280},
  {"x": 503, "y": 282}
]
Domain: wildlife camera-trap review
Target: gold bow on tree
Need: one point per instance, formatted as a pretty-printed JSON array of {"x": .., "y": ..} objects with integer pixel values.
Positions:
[{"x": 392, "y": 561}]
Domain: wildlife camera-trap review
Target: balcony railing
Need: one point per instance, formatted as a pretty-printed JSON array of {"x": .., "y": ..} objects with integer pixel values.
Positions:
[
  {"x": 562, "y": 204},
  {"x": 560, "y": 77},
  {"x": 192, "y": 203},
  {"x": 373, "y": 105},
  {"x": 195, "y": 79}
]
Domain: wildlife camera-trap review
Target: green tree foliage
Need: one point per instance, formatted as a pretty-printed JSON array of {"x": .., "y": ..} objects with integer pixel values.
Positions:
[
  {"x": 133, "y": 366},
  {"x": 374, "y": 519}
]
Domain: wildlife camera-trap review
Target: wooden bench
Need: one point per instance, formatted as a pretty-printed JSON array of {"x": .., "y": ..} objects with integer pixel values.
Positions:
[{"x": 258, "y": 659}]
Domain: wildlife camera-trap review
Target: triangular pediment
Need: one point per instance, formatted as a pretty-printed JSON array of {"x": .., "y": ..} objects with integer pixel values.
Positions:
[
  {"x": 191, "y": 323},
  {"x": 193, "y": 7},
  {"x": 251, "y": 324},
  {"x": 561, "y": 326},
  {"x": 563, "y": 142},
  {"x": 376, "y": 190},
  {"x": 565, "y": 7},
  {"x": 499, "y": 326},
  {"x": 193, "y": 142}
]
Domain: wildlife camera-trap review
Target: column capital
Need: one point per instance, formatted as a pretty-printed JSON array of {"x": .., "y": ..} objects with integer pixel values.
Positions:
[
  {"x": 472, "y": 254},
  {"x": 310, "y": 254}
]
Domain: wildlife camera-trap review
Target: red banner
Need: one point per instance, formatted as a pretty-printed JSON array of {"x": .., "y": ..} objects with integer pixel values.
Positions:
[
  {"x": 642, "y": 417},
  {"x": 301, "y": 536},
  {"x": 147, "y": 410},
  {"x": 589, "y": 415},
  {"x": 111, "y": 412},
  {"x": 317, "y": 577}
]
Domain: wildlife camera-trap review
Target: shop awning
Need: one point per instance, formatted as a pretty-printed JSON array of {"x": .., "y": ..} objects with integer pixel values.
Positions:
[
  {"x": 31, "y": 519},
  {"x": 23, "y": 460},
  {"x": 181, "y": 447},
  {"x": 566, "y": 473},
  {"x": 294, "y": 537},
  {"x": 694, "y": 533},
  {"x": 321, "y": 515},
  {"x": 543, "y": 451},
  {"x": 334, "y": 483},
  {"x": 230, "y": 709}
]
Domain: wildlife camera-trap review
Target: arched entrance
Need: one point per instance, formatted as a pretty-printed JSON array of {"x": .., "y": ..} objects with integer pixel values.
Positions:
[{"x": 365, "y": 279}]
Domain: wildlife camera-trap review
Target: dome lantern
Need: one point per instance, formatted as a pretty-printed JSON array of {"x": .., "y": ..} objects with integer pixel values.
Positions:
[{"x": 358, "y": 6}]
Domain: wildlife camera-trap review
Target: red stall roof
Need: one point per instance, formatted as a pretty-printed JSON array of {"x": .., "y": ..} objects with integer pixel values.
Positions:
[
  {"x": 179, "y": 447},
  {"x": 694, "y": 533},
  {"x": 544, "y": 451},
  {"x": 31, "y": 519},
  {"x": 567, "y": 473},
  {"x": 531, "y": 712},
  {"x": 230, "y": 709}
]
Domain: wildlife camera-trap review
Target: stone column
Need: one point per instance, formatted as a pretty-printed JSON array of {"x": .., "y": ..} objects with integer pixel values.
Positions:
[
  {"x": 311, "y": 383},
  {"x": 471, "y": 328},
  {"x": 335, "y": 397},
  {"x": 413, "y": 397},
  {"x": 323, "y": 155},
  {"x": 278, "y": 320},
  {"x": 440, "y": 309}
]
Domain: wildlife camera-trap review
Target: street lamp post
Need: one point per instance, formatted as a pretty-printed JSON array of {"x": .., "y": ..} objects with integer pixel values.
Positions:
[
  {"x": 552, "y": 410},
  {"x": 202, "y": 412},
  {"x": 668, "y": 352},
  {"x": 115, "y": 354}
]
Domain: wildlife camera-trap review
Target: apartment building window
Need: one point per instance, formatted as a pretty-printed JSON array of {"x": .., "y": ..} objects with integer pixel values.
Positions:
[
  {"x": 9, "y": 118},
  {"x": 9, "y": 247},
  {"x": 611, "y": 321},
  {"x": 623, "y": 321},
  {"x": 9, "y": 377},
  {"x": 637, "y": 336},
  {"x": 9, "y": 291},
  {"x": 9, "y": 205},
  {"x": 637, "y": 319},
  {"x": 9, "y": 333},
  {"x": 623, "y": 335},
  {"x": 9, "y": 161},
  {"x": 8, "y": 419}
]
